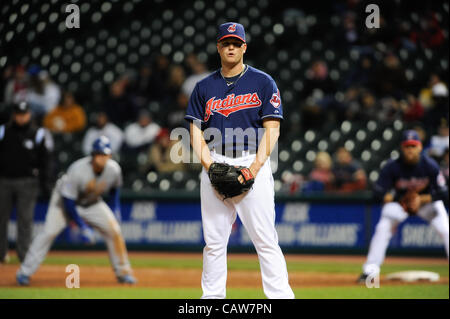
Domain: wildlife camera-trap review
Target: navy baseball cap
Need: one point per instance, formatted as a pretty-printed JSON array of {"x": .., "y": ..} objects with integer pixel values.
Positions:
[
  {"x": 231, "y": 29},
  {"x": 102, "y": 145},
  {"x": 21, "y": 107},
  {"x": 410, "y": 137}
]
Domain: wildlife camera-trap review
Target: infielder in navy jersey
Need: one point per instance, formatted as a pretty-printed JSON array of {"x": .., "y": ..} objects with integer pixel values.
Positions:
[
  {"x": 409, "y": 185},
  {"x": 242, "y": 104}
]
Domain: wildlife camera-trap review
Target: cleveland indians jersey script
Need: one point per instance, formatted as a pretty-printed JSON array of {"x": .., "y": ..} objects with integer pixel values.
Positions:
[
  {"x": 241, "y": 105},
  {"x": 424, "y": 178},
  {"x": 82, "y": 185}
]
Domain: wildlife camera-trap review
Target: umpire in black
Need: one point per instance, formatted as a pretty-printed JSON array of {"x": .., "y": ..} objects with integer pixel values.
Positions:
[{"x": 24, "y": 171}]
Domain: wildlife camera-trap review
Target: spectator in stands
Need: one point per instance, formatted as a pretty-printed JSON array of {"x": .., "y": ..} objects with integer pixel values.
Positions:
[
  {"x": 143, "y": 85},
  {"x": 43, "y": 94},
  {"x": 349, "y": 33},
  {"x": 319, "y": 92},
  {"x": 362, "y": 105},
  {"x": 312, "y": 114},
  {"x": 348, "y": 173},
  {"x": 437, "y": 100},
  {"x": 6, "y": 76},
  {"x": 351, "y": 103},
  {"x": 16, "y": 85},
  {"x": 318, "y": 82},
  {"x": 445, "y": 165},
  {"x": 120, "y": 105},
  {"x": 389, "y": 109},
  {"x": 199, "y": 72},
  {"x": 150, "y": 84},
  {"x": 103, "y": 127},
  {"x": 176, "y": 117},
  {"x": 404, "y": 38},
  {"x": 159, "y": 78},
  {"x": 175, "y": 81},
  {"x": 159, "y": 155},
  {"x": 141, "y": 133},
  {"x": 385, "y": 34},
  {"x": 418, "y": 127},
  {"x": 292, "y": 183},
  {"x": 438, "y": 88},
  {"x": 422, "y": 134},
  {"x": 370, "y": 107},
  {"x": 439, "y": 143},
  {"x": 412, "y": 109},
  {"x": 431, "y": 35},
  {"x": 361, "y": 75},
  {"x": 67, "y": 117},
  {"x": 321, "y": 177},
  {"x": 389, "y": 78}
]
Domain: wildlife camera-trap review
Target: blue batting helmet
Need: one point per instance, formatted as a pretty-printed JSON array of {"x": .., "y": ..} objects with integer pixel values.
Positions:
[{"x": 102, "y": 145}]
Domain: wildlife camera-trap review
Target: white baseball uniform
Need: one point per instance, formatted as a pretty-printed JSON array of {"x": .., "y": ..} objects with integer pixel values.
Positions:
[
  {"x": 241, "y": 104},
  {"x": 256, "y": 210},
  {"x": 82, "y": 185},
  {"x": 398, "y": 176},
  {"x": 392, "y": 215}
]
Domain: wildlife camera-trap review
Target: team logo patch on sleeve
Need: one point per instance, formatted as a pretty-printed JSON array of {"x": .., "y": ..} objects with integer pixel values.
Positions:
[
  {"x": 441, "y": 180},
  {"x": 276, "y": 100}
]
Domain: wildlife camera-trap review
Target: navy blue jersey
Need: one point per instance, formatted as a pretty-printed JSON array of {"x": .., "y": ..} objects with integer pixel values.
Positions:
[
  {"x": 244, "y": 104},
  {"x": 345, "y": 173},
  {"x": 424, "y": 177}
]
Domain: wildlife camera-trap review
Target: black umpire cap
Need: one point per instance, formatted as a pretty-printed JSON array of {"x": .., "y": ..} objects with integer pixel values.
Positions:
[{"x": 22, "y": 107}]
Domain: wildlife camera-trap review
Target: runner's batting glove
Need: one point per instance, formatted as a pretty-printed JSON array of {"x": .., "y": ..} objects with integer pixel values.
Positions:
[
  {"x": 225, "y": 179},
  {"x": 87, "y": 235}
]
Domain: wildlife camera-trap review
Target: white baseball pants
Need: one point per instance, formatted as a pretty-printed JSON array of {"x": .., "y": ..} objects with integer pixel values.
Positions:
[
  {"x": 393, "y": 214},
  {"x": 256, "y": 210},
  {"x": 99, "y": 216}
]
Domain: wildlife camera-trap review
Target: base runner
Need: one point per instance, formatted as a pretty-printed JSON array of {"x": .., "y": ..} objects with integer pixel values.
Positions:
[{"x": 77, "y": 197}]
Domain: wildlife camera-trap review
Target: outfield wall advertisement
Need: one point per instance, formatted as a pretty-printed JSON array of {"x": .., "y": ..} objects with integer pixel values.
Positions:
[{"x": 299, "y": 225}]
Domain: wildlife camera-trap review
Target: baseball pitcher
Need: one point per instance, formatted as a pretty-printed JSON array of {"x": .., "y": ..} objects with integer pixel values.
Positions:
[
  {"x": 77, "y": 197},
  {"x": 236, "y": 176}
]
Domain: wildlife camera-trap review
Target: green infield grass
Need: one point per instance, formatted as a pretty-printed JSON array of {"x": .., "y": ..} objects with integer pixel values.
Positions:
[
  {"x": 397, "y": 291},
  {"x": 435, "y": 291}
]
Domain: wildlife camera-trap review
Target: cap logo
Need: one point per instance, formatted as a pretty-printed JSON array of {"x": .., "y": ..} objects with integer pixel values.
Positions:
[{"x": 232, "y": 28}]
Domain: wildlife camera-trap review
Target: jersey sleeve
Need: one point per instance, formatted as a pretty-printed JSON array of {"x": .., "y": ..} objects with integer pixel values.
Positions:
[
  {"x": 196, "y": 106},
  {"x": 438, "y": 184},
  {"x": 70, "y": 185},
  {"x": 384, "y": 183},
  {"x": 271, "y": 102},
  {"x": 119, "y": 178}
]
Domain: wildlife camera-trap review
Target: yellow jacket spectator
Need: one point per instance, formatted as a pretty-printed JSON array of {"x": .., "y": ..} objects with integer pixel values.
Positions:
[{"x": 67, "y": 117}]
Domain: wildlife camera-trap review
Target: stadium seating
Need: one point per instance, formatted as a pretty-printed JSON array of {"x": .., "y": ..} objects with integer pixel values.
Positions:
[{"x": 118, "y": 36}]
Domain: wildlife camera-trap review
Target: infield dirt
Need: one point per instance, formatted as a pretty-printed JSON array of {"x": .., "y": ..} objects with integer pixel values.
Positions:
[{"x": 103, "y": 276}]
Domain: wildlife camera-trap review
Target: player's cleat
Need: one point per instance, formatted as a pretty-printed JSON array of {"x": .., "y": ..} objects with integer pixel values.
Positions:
[
  {"x": 362, "y": 279},
  {"x": 22, "y": 280},
  {"x": 127, "y": 279}
]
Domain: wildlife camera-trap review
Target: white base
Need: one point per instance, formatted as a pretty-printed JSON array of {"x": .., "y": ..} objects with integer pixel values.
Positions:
[{"x": 414, "y": 275}]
